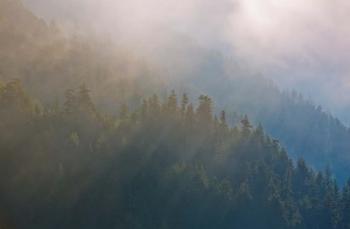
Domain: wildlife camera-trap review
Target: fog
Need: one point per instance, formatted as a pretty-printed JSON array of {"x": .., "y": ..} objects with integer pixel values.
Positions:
[{"x": 300, "y": 44}]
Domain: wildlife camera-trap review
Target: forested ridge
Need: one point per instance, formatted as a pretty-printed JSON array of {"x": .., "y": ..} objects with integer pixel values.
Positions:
[
  {"x": 165, "y": 164},
  {"x": 307, "y": 130},
  {"x": 48, "y": 61},
  {"x": 98, "y": 155}
]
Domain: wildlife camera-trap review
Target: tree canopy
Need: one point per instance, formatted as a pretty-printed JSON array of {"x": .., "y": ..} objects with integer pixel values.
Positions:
[{"x": 163, "y": 164}]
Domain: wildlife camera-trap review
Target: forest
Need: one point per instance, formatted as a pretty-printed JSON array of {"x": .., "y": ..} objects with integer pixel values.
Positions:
[
  {"x": 48, "y": 60},
  {"x": 165, "y": 164},
  {"x": 94, "y": 134}
]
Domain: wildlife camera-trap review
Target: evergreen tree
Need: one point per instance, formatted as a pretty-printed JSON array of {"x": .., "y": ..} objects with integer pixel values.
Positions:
[
  {"x": 172, "y": 103},
  {"x": 345, "y": 207},
  {"x": 154, "y": 105},
  {"x": 70, "y": 104},
  {"x": 204, "y": 110},
  {"x": 246, "y": 126},
  {"x": 184, "y": 103},
  {"x": 84, "y": 100},
  {"x": 223, "y": 119}
]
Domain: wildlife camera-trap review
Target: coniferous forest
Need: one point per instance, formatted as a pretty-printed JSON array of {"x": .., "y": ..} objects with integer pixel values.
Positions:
[
  {"x": 168, "y": 163},
  {"x": 49, "y": 60},
  {"x": 93, "y": 136}
]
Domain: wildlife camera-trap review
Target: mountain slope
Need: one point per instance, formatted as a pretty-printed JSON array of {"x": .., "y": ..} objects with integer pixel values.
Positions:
[
  {"x": 48, "y": 62},
  {"x": 163, "y": 165},
  {"x": 305, "y": 129},
  {"x": 47, "y": 59}
]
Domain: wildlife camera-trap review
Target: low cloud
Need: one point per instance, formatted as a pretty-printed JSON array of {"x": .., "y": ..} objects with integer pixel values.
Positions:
[{"x": 302, "y": 44}]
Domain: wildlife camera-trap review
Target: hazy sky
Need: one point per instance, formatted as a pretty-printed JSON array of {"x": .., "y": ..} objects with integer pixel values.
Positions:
[{"x": 302, "y": 44}]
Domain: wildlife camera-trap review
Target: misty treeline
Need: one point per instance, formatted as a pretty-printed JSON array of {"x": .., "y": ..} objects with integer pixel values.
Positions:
[
  {"x": 71, "y": 160},
  {"x": 49, "y": 60},
  {"x": 304, "y": 128},
  {"x": 164, "y": 164}
]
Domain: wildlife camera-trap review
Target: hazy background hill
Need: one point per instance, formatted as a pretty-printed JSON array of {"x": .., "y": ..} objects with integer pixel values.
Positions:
[
  {"x": 292, "y": 42},
  {"x": 92, "y": 134},
  {"x": 49, "y": 59}
]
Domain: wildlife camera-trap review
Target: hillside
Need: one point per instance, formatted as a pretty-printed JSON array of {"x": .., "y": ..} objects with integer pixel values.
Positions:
[
  {"x": 49, "y": 61},
  {"x": 304, "y": 128},
  {"x": 163, "y": 165}
]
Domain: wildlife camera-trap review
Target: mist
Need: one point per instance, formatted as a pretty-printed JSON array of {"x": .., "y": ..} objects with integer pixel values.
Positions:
[
  {"x": 151, "y": 114},
  {"x": 299, "y": 44}
]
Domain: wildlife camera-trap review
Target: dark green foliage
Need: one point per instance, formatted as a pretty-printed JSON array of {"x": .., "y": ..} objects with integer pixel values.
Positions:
[
  {"x": 159, "y": 166},
  {"x": 345, "y": 206}
]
